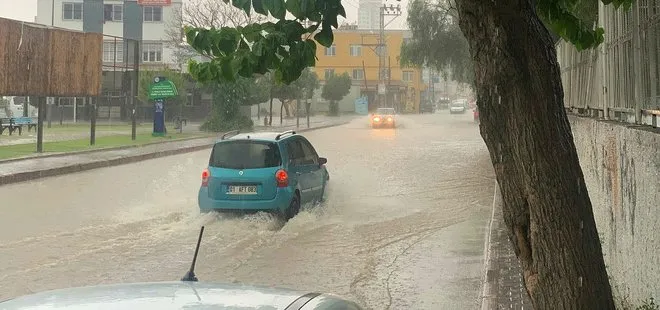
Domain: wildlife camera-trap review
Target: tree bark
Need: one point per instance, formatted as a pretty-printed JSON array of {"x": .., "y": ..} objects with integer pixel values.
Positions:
[
  {"x": 270, "y": 114},
  {"x": 287, "y": 107},
  {"x": 524, "y": 125}
]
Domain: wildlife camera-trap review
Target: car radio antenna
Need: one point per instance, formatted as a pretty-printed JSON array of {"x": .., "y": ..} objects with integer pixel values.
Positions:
[{"x": 190, "y": 276}]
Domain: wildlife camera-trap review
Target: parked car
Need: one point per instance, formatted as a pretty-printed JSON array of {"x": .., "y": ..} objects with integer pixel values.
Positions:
[
  {"x": 384, "y": 117},
  {"x": 443, "y": 103},
  {"x": 427, "y": 107},
  {"x": 457, "y": 106},
  {"x": 262, "y": 171},
  {"x": 177, "y": 295}
]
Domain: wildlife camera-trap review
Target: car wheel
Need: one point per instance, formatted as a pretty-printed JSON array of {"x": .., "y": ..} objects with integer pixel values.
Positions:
[{"x": 293, "y": 209}]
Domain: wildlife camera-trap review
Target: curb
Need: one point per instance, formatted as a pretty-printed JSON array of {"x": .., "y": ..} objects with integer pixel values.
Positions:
[
  {"x": 33, "y": 175},
  {"x": 488, "y": 292},
  {"x": 104, "y": 149}
]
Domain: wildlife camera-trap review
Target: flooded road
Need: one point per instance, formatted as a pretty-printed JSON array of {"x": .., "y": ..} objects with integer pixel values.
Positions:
[{"x": 402, "y": 227}]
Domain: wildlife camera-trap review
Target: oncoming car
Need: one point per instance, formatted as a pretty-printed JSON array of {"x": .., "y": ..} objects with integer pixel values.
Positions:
[
  {"x": 457, "y": 106},
  {"x": 384, "y": 117},
  {"x": 262, "y": 171}
]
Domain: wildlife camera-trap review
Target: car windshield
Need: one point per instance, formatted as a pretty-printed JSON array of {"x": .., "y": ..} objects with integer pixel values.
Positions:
[
  {"x": 244, "y": 154},
  {"x": 386, "y": 111},
  {"x": 457, "y": 104}
]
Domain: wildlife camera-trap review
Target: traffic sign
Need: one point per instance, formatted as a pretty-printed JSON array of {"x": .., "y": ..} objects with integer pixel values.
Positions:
[{"x": 162, "y": 88}]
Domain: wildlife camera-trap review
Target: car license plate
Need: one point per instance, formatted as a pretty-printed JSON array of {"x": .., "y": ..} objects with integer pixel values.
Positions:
[{"x": 241, "y": 190}]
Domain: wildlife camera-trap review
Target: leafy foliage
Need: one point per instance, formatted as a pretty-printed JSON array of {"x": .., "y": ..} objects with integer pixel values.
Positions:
[
  {"x": 258, "y": 89},
  {"x": 284, "y": 47},
  {"x": 567, "y": 19},
  {"x": 228, "y": 97},
  {"x": 437, "y": 41},
  {"x": 336, "y": 87},
  {"x": 300, "y": 88}
]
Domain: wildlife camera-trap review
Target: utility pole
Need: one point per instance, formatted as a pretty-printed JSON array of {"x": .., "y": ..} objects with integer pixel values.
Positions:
[{"x": 383, "y": 71}]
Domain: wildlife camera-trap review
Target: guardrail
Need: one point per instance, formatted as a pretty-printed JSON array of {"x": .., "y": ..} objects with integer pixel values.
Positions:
[{"x": 620, "y": 80}]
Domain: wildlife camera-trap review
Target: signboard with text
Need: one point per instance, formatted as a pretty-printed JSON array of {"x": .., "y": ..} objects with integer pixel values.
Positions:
[{"x": 155, "y": 2}]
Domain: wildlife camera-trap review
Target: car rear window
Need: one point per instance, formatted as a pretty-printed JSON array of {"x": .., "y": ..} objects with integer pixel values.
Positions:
[
  {"x": 385, "y": 111},
  {"x": 243, "y": 154}
]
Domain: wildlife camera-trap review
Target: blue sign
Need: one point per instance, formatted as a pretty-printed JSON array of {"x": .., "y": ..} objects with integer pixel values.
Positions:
[
  {"x": 362, "y": 105},
  {"x": 159, "y": 118}
]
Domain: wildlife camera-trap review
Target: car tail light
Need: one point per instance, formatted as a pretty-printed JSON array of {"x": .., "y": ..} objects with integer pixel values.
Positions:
[
  {"x": 282, "y": 178},
  {"x": 376, "y": 119},
  {"x": 205, "y": 177},
  {"x": 389, "y": 119}
]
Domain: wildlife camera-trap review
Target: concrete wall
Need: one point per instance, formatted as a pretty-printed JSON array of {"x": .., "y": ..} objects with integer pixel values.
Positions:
[{"x": 621, "y": 166}]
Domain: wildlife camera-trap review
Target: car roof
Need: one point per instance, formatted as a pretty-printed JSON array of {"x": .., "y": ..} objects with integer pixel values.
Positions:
[
  {"x": 161, "y": 295},
  {"x": 269, "y": 136}
]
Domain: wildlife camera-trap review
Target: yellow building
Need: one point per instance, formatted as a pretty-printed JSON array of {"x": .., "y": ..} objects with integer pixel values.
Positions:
[{"x": 356, "y": 52}]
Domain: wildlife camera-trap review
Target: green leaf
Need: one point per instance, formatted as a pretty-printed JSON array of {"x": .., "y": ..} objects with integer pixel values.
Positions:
[
  {"x": 278, "y": 8},
  {"x": 325, "y": 37},
  {"x": 244, "y": 5},
  {"x": 293, "y": 30},
  {"x": 307, "y": 6},
  {"x": 294, "y": 7},
  {"x": 227, "y": 69},
  {"x": 259, "y": 7},
  {"x": 309, "y": 58}
]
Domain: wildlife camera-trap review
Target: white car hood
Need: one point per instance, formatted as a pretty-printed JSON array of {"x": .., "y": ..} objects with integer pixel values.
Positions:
[{"x": 160, "y": 296}]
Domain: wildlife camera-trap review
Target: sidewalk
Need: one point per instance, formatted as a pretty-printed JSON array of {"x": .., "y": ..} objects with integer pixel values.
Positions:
[
  {"x": 20, "y": 170},
  {"x": 503, "y": 280}
]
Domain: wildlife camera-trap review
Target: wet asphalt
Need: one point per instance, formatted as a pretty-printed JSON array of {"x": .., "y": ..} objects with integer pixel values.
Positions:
[{"x": 402, "y": 226}]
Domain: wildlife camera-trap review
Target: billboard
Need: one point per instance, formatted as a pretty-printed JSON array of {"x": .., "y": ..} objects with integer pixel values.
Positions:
[{"x": 155, "y": 2}]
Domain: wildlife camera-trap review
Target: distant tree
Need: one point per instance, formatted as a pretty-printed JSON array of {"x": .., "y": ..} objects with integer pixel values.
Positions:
[
  {"x": 336, "y": 87},
  {"x": 299, "y": 89},
  {"x": 228, "y": 97},
  {"x": 309, "y": 85},
  {"x": 259, "y": 89},
  {"x": 437, "y": 40}
]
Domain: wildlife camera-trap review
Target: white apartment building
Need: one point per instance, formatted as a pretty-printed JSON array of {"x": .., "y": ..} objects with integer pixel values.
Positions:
[
  {"x": 145, "y": 20},
  {"x": 369, "y": 14}
]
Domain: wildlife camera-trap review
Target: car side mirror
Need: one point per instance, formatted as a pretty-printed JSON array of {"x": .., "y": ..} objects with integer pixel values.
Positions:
[{"x": 323, "y": 160}]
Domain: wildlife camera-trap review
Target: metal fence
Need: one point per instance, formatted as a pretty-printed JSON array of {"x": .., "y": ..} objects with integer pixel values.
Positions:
[{"x": 620, "y": 79}]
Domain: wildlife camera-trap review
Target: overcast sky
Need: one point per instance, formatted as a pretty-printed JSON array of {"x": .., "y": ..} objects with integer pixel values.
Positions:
[{"x": 26, "y": 10}]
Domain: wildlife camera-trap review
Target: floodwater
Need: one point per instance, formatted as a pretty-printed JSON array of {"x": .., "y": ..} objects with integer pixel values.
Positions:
[{"x": 402, "y": 226}]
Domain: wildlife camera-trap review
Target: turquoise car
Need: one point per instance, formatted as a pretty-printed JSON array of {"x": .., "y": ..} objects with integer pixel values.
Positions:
[{"x": 262, "y": 171}]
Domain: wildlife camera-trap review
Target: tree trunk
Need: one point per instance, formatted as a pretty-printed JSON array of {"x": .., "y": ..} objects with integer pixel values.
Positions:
[
  {"x": 287, "y": 107},
  {"x": 523, "y": 122},
  {"x": 270, "y": 114}
]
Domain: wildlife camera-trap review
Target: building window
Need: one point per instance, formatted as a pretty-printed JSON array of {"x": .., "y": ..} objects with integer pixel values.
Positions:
[
  {"x": 113, "y": 51},
  {"x": 358, "y": 74},
  {"x": 152, "y": 52},
  {"x": 113, "y": 12},
  {"x": 331, "y": 51},
  {"x": 153, "y": 13},
  {"x": 407, "y": 76},
  {"x": 329, "y": 73},
  {"x": 72, "y": 11},
  {"x": 356, "y": 50}
]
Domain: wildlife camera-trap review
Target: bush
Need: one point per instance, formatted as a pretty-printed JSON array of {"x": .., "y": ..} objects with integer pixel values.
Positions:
[{"x": 217, "y": 124}]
